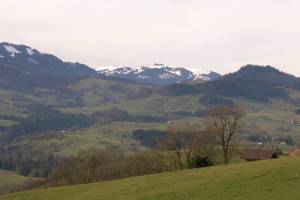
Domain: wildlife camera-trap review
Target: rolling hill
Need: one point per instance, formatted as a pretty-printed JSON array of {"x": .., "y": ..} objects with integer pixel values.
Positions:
[
  {"x": 11, "y": 181},
  {"x": 271, "y": 179},
  {"x": 8, "y": 177},
  {"x": 270, "y": 97},
  {"x": 271, "y": 108}
]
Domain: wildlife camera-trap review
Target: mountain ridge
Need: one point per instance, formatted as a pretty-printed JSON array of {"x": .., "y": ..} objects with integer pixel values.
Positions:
[
  {"x": 160, "y": 74},
  {"x": 30, "y": 61},
  {"x": 260, "y": 83}
]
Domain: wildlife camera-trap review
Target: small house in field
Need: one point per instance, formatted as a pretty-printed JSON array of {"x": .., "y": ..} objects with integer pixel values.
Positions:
[
  {"x": 257, "y": 154},
  {"x": 295, "y": 152}
]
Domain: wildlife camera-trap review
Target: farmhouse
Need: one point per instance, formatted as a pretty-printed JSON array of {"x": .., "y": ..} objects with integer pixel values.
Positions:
[{"x": 257, "y": 154}]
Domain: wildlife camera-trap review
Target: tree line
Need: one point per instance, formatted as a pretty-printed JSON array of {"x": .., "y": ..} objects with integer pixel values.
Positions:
[{"x": 185, "y": 144}]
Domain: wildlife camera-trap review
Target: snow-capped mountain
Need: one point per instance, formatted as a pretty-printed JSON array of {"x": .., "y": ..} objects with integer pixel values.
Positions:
[
  {"x": 30, "y": 61},
  {"x": 160, "y": 74},
  {"x": 23, "y": 59}
]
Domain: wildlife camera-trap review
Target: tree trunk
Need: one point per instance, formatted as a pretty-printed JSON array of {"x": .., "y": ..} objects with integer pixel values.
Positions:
[{"x": 225, "y": 156}]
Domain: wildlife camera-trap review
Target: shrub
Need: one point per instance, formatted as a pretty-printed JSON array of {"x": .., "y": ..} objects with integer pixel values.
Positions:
[{"x": 200, "y": 161}]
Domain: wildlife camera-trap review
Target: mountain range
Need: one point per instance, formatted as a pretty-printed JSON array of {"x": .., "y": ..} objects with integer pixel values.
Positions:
[
  {"x": 23, "y": 67},
  {"x": 160, "y": 74},
  {"x": 29, "y": 61}
]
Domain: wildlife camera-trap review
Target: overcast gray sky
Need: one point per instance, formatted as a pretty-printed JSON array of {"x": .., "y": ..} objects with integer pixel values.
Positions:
[{"x": 219, "y": 35}]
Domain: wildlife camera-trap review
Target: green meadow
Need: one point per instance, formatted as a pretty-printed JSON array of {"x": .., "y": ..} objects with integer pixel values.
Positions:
[
  {"x": 8, "y": 177},
  {"x": 271, "y": 179}
]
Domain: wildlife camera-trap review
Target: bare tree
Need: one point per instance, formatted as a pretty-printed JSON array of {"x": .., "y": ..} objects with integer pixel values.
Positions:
[
  {"x": 181, "y": 137},
  {"x": 208, "y": 143},
  {"x": 91, "y": 163},
  {"x": 224, "y": 122},
  {"x": 150, "y": 162},
  {"x": 191, "y": 133}
]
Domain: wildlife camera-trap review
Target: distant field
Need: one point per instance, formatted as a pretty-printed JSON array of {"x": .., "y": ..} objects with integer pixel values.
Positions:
[
  {"x": 98, "y": 95},
  {"x": 5, "y": 123},
  {"x": 97, "y": 136},
  {"x": 102, "y": 136},
  {"x": 264, "y": 180},
  {"x": 7, "y": 177},
  {"x": 268, "y": 117}
]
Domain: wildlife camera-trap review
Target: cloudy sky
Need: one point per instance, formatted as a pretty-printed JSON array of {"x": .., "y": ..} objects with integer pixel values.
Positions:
[{"x": 212, "y": 34}]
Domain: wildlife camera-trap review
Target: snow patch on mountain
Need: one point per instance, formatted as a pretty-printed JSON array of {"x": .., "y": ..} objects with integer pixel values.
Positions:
[
  {"x": 30, "y": 60},
  {"x": 199, "y": 71},
  {"x": 30, "y": 51},
  {"x": 12, "y": 50},
  {"x": 177, "y": 72},
  {"x": 1, "y": 56},
  {"x": 159, "y": 74},
  {"x": 166, "y": 75},
  {"x": 144, "y": 77}
]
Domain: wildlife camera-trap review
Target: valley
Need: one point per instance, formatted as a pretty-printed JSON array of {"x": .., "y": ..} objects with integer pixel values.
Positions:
[
  {"x": 57, "y": 117},
  {"x": 149, "y": 100}
]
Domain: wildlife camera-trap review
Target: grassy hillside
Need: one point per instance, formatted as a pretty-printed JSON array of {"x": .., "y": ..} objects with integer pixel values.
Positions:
[
  {"x": 271, "y": 118},
  {"x": 8, "y": 177},
  {"x": 271, "y": 179},
  {"x": 97, "y": 136},
  {"x": 91, "y": 95}
]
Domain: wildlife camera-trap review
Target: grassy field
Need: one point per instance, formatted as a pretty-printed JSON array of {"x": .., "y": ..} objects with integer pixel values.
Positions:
[
  {"x": 271, "y": 179},
  {"x": 6, "y": 123},
  {"x": 103, "y": 136},
  {"x": 7, "y": 177},
  {"x": 70, "y": 142}
]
